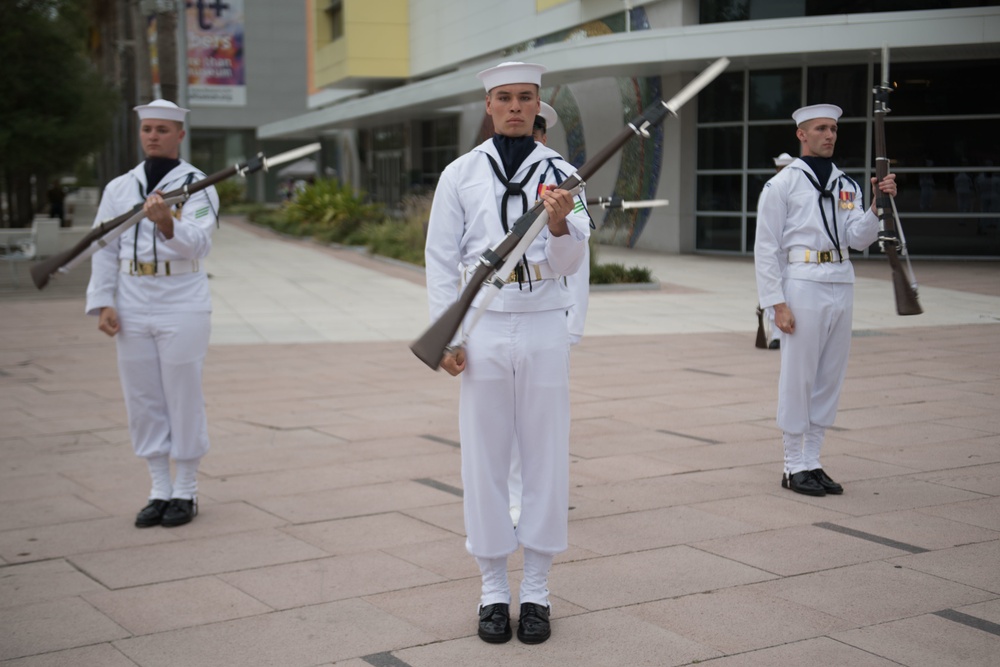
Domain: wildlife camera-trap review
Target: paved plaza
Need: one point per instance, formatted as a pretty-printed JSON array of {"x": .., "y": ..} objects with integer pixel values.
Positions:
[{"x": 331, "y": 525}]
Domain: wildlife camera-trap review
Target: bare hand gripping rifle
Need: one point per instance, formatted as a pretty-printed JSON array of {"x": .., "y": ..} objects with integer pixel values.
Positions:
[
  {"x": 496, "y": 263},
  {"x": 891, "y": 238},
  {"x": 102, "y": 233}
]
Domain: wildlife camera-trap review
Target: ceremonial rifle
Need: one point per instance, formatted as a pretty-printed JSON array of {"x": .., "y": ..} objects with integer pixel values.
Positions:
[
  {"x": 102, "y": 233},
  {"x": 891, "y": 238},
  {"x": 619, "y": 203},
  {"x": 496, "y": 263}
]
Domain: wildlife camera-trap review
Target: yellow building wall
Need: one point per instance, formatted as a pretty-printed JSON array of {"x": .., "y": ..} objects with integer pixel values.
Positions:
[{"x": 374, "y": 44}]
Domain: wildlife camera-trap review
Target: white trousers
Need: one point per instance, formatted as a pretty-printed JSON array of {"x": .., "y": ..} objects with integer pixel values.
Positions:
[
  {"x": 814, "y": 358},
  {"x": 516, "y": 383},
  {"x": 160, "y": 360}
]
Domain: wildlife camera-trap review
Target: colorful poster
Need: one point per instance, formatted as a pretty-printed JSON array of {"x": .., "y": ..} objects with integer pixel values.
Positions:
[{"x": 216, "y": 75}]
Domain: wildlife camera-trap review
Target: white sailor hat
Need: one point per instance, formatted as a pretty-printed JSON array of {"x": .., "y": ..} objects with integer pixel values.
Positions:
[
  {"x": 547, "y": 118},
  {"x": 161, "y": 110},
  {"x": 512, "y": 72},
  {"x": 817, "y": 111},
  {"x": 783, "y": 160}
]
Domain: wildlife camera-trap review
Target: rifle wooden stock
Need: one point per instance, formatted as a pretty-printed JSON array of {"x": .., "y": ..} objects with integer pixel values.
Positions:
[
  {"x": 890, "y": 237},
  {"x": 761, "y": 342},
  {"x": 433, "y": 343}
]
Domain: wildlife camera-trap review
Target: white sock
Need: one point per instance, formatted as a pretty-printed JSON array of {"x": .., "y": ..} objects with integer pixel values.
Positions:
[
  {"x": 496, "y": 588},
  {"x": 186, "y": 481},
  {"x": 534, "y": 585},
  {"x": 813, "y": 443},
  {"x": 794, "y": 459},
  {"x": 159, "y": 472}
]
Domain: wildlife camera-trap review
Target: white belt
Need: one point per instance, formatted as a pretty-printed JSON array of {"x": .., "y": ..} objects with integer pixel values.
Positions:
[
  {"x": 171, "y": 267},
  {"x": 815, "y": 256},
  {"x": 535, "y": 271}
]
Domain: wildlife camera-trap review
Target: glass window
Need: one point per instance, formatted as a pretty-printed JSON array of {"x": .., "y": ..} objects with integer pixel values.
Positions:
[
  {"x": 720, "y": 11},
  {"x": 850, "y": 150},
  {"x": 944, "y": 88},
  {"x": 718, "y": 233},
  {"x": 941, "y": 143},
  {"x": 720, "y": 193},
  {"x": 766, "y": 142},
  {"x": 755, "y": 185},
  {"x": 847, "y": 87},
  {"x": 720, "y": 148},
  {"x": 775, "y": 94},
  {"x": 722, "y": 100},
  {"x": 950, "y": 236}
]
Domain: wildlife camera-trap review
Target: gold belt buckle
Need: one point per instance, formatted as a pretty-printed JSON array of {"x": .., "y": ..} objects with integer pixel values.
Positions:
[
  {"x": 144, "y": 269},
  {"x": 825, "y": 256}
]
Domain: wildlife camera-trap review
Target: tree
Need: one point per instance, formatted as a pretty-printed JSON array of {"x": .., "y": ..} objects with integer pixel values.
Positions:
[{"x": 55, "y": 107}]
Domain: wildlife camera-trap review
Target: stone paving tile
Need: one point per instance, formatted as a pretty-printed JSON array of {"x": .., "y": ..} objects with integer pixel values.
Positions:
[
  {"x": 99, "y": 655},
  {"x": 51, "y": 510},
  {"x": 600, "y": 639},
  {"x": 963, "y": 564},
  {"x": 984, "y": 513},
  {"x": 53, "y": 625},
  {"x": 295, "y": 638},
  {"x": 33, "y": 544},
  {"x": 185, "y": 558},
  {"x": 144, "y": 610},
  {"x": 988, "y": 611},
  {"x": 41, "y": 582},
  {"x": 917, "y": 528},
  {"x": 768, "y": 512},
  {"x": 718, "y": 619},
  {"x": 833, "y": 652},
  {"x": 926, "y": 641},
  {"x": 604, "y": 583},
  {"x": 797, "y": 550},
  {"x": 353, "y": 501},
  {"x": 367, "y": 533},
  {"x": 983, "y": 479},
  {"x": 312, "y": 582},
  {"x": 871, "y": 593},
  {"x": 652, "y": 529}
]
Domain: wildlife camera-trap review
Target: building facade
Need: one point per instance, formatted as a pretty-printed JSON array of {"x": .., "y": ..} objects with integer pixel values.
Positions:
[{"x": 393, "y": 96}]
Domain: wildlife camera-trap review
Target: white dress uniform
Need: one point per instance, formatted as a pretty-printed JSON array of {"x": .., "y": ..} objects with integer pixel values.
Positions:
[
  {"x": 165, "y": 319},
  {"x": 517, "y": 376},
  {"x": 798, "y": 263}
]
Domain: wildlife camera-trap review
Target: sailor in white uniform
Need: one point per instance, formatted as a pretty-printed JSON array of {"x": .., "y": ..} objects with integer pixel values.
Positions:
[
  {"x": 150, "y": 291},
  {"x": 808, "y": 215},
  {"x": 515, "y": 366}
]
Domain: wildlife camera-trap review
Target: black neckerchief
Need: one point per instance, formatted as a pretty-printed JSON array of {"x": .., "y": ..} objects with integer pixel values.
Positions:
[
  {"x": 156, "y": 168},
  {"x": 513, "y": 151},
  {"x": 823, "y": 167}
]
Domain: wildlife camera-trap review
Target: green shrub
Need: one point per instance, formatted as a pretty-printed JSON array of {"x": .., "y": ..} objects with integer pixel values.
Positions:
[
  {"x": 329, "y": 212},
  {"x": 613, "y": 274},
  {"x": 231, "y": 191}
]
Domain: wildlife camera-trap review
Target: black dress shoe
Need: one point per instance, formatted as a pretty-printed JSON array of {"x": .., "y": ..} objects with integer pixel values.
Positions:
[
  {"x": 774, "y": 344},
  {"x": 533, "y": 624},
  {"x": 494, "y": 623},
  {"x": 179, "y": 512},
  {"x": 803, "y": 482},
  {"x": 151, "y": 514},
  {"x": 828, "y": 484}
]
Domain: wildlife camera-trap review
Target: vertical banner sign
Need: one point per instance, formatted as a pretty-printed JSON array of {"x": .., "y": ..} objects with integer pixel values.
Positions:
[
  {"x": 154, "y": 57},
  {"x": 216, "y": 75}
]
